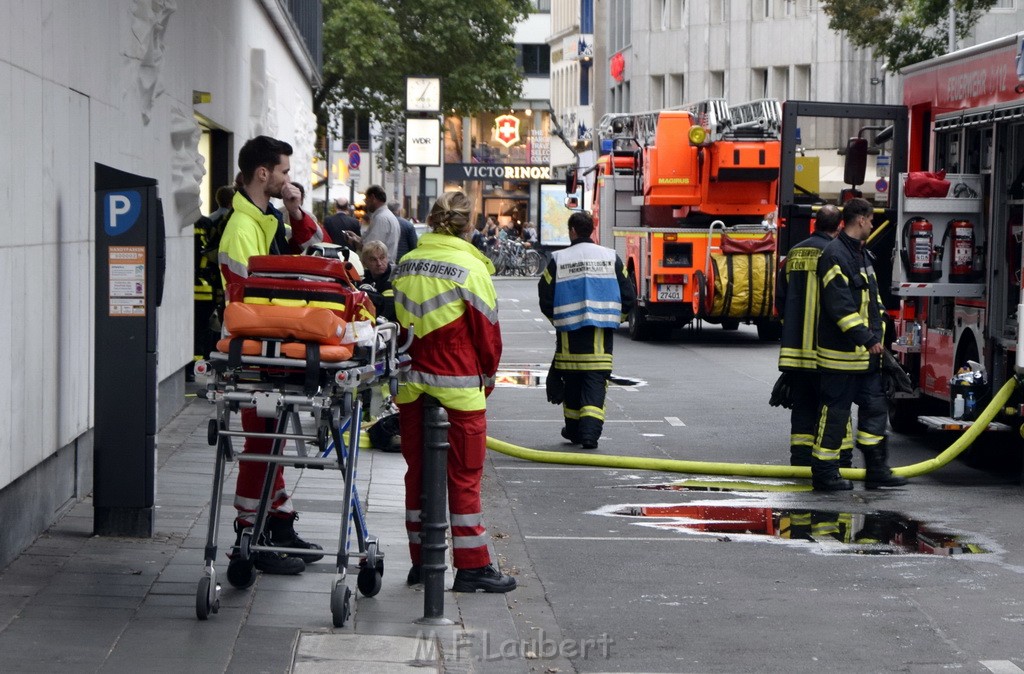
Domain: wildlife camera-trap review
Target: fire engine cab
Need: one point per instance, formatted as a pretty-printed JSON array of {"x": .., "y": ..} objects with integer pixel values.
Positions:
[
  {"x": 685, "y": 197},
  {"x": 957, "y": 262}
]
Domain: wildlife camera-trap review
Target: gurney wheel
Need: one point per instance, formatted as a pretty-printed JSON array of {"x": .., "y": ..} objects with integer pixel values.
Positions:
[
  {"x": 241, "y": 573},
  {"x": 369, "y": 581},
  {"x": 206, "y": 600},
  {"x": 212, "y": 432},
  {"x": 341, "y": 599}
]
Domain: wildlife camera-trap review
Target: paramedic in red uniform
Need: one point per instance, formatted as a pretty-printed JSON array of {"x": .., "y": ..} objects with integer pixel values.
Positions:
[
  {"x": 443, "y": 287},
  {"x": 264, "y": 164}
]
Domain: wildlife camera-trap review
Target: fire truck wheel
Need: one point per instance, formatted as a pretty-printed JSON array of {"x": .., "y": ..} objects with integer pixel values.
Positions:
[{"x": 640, "y": 328}]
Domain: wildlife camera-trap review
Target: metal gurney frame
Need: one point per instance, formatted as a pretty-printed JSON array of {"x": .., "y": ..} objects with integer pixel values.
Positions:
[{"x": 279, "y": 388}]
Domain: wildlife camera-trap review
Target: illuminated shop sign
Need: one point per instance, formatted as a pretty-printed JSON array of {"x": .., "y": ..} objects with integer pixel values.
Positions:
[
  {"x": 506, "y": 130},
  {"x": 460, "y": 172}
]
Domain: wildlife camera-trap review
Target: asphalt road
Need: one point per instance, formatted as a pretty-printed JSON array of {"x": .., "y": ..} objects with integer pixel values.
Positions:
[{"x": 606, "y": 589}]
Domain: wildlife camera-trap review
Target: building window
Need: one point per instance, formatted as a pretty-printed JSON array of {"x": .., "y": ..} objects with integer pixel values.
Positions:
[
  {"x": 1009, "y": 5},
  {"x": 585, "y": 74},
  {"x": 657, "y": 92},
  {"x": 802, "y": 82},
  {"x": 762, "y": 9},
  {"x": 660, "y": 14},
  {"x": 534, "y": 59},
  {"x": 676, "y": 93},
  {"x": 718, "y": 11},
  {"x": 716, "y": 84},
  {"x": 780, "y": 83},
  {"x": 541, "y": 5},
  {"x": 621, "y": 28},
  {"x": 677, "y": 13},
  {"x": 759, "y": 83}
]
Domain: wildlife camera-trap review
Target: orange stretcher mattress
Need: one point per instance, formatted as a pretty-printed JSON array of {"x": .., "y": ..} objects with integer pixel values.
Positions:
[
  {"x": 312, "y": 324},
  {"x": 274, "y": 349}
]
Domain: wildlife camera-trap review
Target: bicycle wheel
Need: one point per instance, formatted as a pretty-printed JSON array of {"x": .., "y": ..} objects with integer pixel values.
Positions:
[{"x": 533, "y": 263}]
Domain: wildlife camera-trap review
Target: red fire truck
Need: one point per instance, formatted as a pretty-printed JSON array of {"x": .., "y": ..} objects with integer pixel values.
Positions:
[{"x": 957, "y": 262}]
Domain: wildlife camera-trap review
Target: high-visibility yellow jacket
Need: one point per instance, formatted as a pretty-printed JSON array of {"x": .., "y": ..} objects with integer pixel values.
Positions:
[
  {"x": 443, "y": 289},
  {"x": 249, "y": 232}
]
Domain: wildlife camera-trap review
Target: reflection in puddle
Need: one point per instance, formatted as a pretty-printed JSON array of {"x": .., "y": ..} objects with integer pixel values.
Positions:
[
  {"x": 534, "y": 376},
  {"x": 727, "y": 485},
  {"x": 875, "y": 533}
]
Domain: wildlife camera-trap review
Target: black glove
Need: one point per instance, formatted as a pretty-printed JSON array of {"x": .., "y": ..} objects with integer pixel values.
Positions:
[
  {"x": 555, "y": 386},
  {"x": 781, "y": 394},
  {"x": 895, "y": 372}
]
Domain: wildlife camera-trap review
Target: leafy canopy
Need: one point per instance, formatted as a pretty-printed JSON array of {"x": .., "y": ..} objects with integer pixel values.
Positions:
[
  {"x": 370, "y": 46},
  {"x": 902, "y": 32}
]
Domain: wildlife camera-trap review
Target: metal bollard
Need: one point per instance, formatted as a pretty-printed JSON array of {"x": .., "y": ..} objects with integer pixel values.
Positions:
[{"x": 434, "y": 513}]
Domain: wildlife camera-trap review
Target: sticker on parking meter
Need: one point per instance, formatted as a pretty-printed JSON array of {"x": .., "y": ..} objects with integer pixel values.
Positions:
[{"x": 127, "y": 276}]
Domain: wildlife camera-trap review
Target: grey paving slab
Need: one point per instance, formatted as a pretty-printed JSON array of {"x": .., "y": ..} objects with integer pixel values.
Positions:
[
  {"x": 263, "y": 649},
  {"x": 123, "y": 604}
]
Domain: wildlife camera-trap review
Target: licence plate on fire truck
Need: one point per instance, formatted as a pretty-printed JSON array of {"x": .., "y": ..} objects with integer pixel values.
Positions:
[{"x": 670, "y": 292}]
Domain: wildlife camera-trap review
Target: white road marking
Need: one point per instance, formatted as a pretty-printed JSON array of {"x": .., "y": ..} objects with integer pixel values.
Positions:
[
  {"x": 653, "y": 435},
  {"x": 539, "y": 320},
  {"x": 674, "y": 421},
  {"x": 1001, "y": 667}
]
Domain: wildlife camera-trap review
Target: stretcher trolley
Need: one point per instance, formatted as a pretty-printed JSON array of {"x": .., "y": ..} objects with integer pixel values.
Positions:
[{"x": 292, "y": 350}]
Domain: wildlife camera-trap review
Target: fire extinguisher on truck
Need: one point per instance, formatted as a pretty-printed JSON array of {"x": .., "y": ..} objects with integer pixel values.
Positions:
[
  {"x": 918, "y": 241},
  {"x": 961, "y": 268}
]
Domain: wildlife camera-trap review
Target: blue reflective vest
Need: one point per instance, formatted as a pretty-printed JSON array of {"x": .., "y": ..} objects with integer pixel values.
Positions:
[{"x": 586, "y": 288}]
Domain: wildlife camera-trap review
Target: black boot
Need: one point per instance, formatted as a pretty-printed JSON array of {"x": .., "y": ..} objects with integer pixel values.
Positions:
[
  {"x": 825, "y": 476},
  {"x": 281, "y": 532},
  {"x": 877, "y": 471},
  {"x": 268, "y": 562},
  {"x": 486, "y": 578}
]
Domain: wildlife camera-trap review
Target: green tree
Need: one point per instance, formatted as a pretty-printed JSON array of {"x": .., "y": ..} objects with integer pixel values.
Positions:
[
  {"x": 370, "y": 46},
  {"x": 902, "y": 32}
]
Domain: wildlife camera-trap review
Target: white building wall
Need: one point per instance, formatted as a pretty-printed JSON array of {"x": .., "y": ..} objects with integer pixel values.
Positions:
[{"x": 111, "y": 81}]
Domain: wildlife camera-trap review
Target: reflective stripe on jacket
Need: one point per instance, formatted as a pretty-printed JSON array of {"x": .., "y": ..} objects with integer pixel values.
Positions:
[
  {"x": 851, "y": 318},
  {"x": 443, "y": 289},
  {"x": 586, "y": 288},
  {"x": 797, "y": 300}
]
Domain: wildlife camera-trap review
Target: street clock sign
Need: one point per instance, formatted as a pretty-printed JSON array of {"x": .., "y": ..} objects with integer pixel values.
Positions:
[{"x": 423, "y": 94}]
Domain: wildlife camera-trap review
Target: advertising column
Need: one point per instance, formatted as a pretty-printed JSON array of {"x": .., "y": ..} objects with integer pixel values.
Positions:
[{"x": 129, "y": 285}]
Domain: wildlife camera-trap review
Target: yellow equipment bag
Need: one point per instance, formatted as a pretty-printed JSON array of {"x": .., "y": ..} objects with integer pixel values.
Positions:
[{"x": 744, "y": 278}]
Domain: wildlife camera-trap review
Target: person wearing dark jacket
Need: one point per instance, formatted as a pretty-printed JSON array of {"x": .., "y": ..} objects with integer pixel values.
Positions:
[
  {"x": 377, "y": 272},
  {"x": 408, "y": 238},
  {"x": 849, "y": 353},
  {"x": 585, "y": 293},
  {"x": 796, "y": 298}
]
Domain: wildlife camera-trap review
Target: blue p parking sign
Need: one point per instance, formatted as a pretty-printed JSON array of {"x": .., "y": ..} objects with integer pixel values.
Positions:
[{"x": 121, "y": 211}]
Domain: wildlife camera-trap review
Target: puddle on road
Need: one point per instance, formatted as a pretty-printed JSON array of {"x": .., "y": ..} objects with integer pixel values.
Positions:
[
  {"x": 874, "y": 533},
  {"x": 727, "y": 486},
  {"x": 535, "y": 376}
]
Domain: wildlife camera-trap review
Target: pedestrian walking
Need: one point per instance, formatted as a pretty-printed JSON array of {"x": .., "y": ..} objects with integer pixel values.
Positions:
[{"x": 585, "y": 293}]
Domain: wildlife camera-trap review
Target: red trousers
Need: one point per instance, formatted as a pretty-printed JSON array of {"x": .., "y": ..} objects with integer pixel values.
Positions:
[
  {"x": 467, "y": 436},
  {"x": 250, "y": 474}
]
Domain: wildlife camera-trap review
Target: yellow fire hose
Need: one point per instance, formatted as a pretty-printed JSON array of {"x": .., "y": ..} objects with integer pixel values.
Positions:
[{"x": 753, "y": 469}]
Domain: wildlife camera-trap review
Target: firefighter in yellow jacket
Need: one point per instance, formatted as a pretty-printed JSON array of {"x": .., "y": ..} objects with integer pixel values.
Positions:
[{"x": 443, "y": 288}]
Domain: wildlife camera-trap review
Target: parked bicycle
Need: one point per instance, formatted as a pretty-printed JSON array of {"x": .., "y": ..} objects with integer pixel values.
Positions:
[{"x": 512, "y": 258}]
